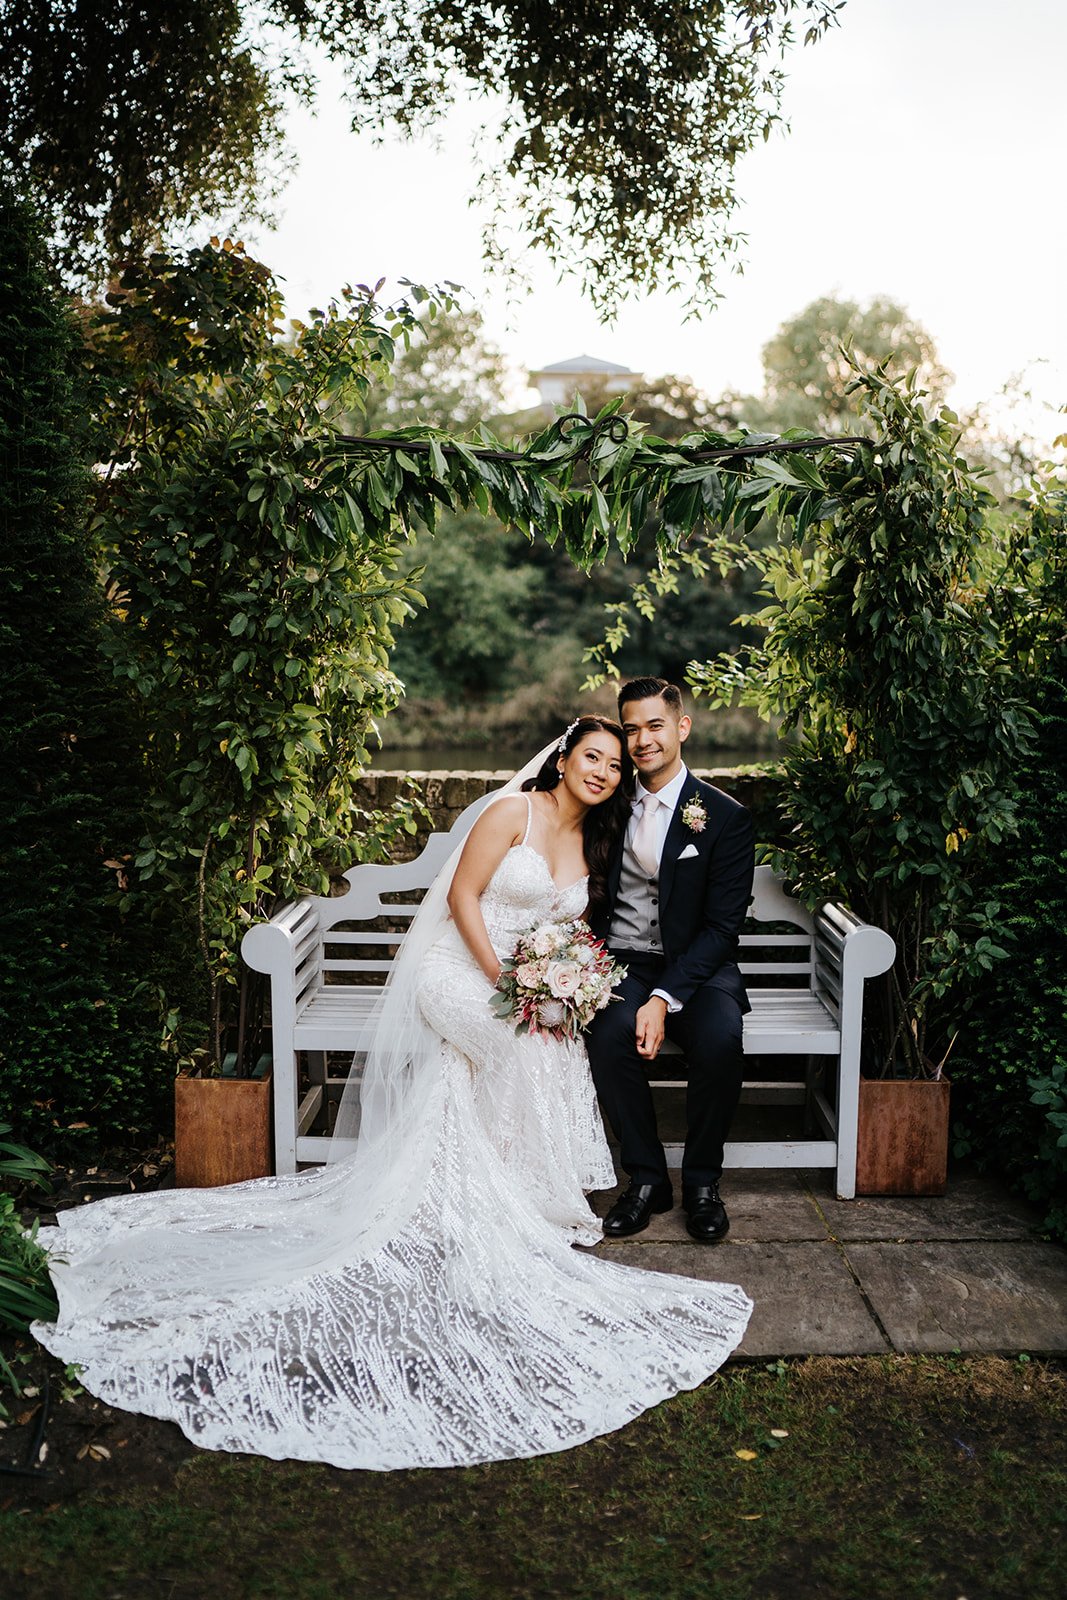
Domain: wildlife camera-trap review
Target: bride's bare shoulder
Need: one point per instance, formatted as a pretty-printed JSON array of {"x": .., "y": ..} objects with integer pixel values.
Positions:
[{"x": 505, "y": 818}]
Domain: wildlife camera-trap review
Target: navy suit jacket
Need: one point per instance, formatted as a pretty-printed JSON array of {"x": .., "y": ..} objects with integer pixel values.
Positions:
[{"x": 704, "y": 898}]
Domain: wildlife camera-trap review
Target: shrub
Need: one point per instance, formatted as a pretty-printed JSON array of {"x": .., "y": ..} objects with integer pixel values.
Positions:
[
  {"x": 255, "y": 586},
  {"x": 1011, "y": 1052},
  {"x": 77, "y": 1035},
  {"x": 904, "y": 719}
]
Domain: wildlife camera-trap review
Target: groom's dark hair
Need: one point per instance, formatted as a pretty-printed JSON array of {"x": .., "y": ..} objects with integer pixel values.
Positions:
[{"x": 648, "y": 689}]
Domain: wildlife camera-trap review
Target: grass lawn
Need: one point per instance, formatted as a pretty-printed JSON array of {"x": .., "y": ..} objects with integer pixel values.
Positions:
[{"x": 879, "y": 1478}]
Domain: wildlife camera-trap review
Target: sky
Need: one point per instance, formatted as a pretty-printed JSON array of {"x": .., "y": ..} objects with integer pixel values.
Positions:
[{"x": 923, "y": 161}]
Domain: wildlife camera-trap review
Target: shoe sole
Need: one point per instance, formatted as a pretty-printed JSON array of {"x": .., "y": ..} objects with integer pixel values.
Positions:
[{"x": 702, "y": 1238}]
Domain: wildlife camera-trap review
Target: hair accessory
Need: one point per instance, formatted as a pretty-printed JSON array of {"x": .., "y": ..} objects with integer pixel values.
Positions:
[{"x": 562, "y": 745}]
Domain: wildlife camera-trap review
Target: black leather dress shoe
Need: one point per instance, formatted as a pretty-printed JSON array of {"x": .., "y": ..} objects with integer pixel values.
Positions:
[
  {"x": 706, "y": 1218},
  {"x": 634, "y": 1210}
]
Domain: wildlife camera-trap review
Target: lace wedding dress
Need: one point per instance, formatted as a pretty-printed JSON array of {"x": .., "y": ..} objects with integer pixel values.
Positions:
[{"x": 441, "y": 1318}]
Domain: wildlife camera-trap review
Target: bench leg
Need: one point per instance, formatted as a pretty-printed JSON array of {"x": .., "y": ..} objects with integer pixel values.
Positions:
[
  {"x": 286, "y": 1090},
  {"x": 812, "y": 1073},
  {"x": 848, "y": 1114}
]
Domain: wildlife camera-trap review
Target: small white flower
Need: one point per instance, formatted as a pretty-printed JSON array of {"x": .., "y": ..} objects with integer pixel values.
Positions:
[
  {"x": 530, "y": 974},
  {"x": 551, "y": 1013}
]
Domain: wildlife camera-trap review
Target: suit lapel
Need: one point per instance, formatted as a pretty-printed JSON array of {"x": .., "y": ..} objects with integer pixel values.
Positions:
[{"x": 674, "y": 842}]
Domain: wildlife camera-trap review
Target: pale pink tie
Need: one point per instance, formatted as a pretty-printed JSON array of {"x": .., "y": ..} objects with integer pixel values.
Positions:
[{"x": 645, "y": 845}]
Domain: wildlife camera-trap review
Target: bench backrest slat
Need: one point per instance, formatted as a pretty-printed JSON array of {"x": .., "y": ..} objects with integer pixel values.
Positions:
[
  {"x": 791, "y": 969},
  {"x": 357, "y": 966},
  {"x": 306, "y": 979}
]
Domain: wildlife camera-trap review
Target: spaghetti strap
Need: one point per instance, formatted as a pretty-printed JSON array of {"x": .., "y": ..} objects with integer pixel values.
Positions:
[{"x": 529, "y": 818}]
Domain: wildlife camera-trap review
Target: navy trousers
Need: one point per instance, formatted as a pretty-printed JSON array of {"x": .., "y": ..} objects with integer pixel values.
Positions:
[{"x": 708, "y": 1030}]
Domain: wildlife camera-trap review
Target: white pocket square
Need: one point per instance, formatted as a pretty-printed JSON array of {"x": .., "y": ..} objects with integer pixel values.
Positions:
[{"x": 688, "y": 853}]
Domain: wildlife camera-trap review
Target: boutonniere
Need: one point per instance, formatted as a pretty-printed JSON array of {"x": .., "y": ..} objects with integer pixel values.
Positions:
[{"x": 694, "y": 816}]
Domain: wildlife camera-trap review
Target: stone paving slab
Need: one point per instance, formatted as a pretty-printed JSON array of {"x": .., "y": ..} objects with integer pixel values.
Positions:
[
  {"x": 943, "y": 1295},
  {"x": 963, "y": 1271},
  {"x": 971, "y": 1208},
  {"x": 806, "y": 1301},
  {"x": 760, "y": 1205}
]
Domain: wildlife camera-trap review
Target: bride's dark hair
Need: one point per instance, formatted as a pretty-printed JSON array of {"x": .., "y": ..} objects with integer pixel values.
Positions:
[{"x": 603, "y": 825}]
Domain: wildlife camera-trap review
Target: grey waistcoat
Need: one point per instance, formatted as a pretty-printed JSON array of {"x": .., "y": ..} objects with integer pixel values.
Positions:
[{"x": 635, "y": 920}]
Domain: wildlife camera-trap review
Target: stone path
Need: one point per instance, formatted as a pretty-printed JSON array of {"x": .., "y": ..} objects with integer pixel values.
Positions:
[{"x": 965, "y": 1272}]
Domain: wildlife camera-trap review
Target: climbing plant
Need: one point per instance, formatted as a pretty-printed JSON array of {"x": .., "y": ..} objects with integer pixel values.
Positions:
[{"x": 255, "y": 592}]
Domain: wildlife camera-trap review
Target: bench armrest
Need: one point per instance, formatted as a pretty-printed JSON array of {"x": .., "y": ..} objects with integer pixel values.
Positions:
[
  {"x": 267, "y": 947},
  {"x": 866, "y": 951},
  {"x": 288, "y": 949}
]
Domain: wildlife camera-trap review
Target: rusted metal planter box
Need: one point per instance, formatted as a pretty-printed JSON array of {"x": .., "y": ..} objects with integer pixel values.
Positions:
[
  {"x": 222, "y": 1131},
  {"x": 903, "y": 1136}
]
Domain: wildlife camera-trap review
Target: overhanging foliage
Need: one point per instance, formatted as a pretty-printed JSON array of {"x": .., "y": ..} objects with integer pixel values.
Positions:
[{"x": 616, "y": 149}]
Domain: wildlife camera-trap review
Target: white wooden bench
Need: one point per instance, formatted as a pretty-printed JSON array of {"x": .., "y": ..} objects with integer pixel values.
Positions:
[{"x": 327, "y": 958}]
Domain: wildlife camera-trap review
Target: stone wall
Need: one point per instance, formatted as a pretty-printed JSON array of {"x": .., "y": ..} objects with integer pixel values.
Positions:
[{"x": 446, "y": 794}]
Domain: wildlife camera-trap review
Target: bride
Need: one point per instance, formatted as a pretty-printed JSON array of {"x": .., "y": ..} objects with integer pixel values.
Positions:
[{"x": 417, "y": 1302}]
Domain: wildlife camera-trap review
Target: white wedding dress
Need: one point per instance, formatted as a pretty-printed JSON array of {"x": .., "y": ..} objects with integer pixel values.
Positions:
[{"x": 441, "y": 1319}]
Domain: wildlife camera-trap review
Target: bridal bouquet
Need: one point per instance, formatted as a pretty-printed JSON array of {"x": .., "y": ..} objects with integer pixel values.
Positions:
[{"x": 555, "y": 982}]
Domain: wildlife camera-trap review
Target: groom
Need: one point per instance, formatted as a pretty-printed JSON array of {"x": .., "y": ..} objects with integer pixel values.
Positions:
[{"x": 678, "y": 893}]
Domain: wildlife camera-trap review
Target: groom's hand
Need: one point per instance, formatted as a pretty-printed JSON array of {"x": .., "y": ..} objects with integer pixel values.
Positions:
[{"x": 650, "y": 1020}]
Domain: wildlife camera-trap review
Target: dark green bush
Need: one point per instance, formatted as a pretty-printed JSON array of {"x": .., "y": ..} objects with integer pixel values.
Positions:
[
  {"x": 903, "y": 724},
  {"x": 78, "y": 1035},
  {"x": 1010, "y": 1057}
]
